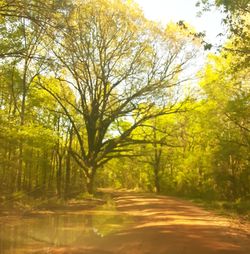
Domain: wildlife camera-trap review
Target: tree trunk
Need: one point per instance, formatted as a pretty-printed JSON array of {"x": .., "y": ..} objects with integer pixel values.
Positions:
[
  {"x": 157, "y": 180},
  {"x": 59, "y": 177},
  {"x": 68, "y": 166},
  {"x": 90, "y": 185},
  {"x": 20, "y": 168},
  {"x": 90, "y": 181},
  {"x": 67, "y": 177}
]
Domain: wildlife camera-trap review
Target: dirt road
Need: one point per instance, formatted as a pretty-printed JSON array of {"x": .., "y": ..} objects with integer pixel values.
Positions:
[{"x": 166, "y": 225}]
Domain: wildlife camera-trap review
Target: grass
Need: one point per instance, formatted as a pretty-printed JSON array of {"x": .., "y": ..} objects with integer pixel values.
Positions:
[
  {"x": 21, "y": 203},
  {"x": 239, "y": 208}
]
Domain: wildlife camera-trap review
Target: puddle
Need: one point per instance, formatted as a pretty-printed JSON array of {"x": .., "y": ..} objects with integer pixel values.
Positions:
[{"x": 81, "y": 228}]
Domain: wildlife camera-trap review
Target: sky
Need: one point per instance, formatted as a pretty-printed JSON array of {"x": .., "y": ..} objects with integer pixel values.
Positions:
[
  {"x": 165, "y": 11},
  {"x": 175, "y": 10}
]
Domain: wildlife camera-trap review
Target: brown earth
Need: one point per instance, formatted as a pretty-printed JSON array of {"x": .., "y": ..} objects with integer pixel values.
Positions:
[{"x": 167, "y": 225}]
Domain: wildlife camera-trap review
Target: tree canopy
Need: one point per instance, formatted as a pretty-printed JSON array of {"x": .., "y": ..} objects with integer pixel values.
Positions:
[{"x": 94, "y": 94}]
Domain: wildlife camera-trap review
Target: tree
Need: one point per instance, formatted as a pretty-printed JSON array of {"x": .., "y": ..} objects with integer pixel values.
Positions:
[
  {"x": 118, "y": 65},
  {"x": 158, "y": 136},
  {"x": 228, "y": 93},
  {"x": 237, "y": 20}
]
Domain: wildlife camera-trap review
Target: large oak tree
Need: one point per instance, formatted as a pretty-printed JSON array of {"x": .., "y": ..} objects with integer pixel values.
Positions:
[{"x": 120, "y": 67}]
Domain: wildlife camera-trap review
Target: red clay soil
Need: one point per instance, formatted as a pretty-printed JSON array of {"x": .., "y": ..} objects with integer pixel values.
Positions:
[{"x": 166, "y": 225}]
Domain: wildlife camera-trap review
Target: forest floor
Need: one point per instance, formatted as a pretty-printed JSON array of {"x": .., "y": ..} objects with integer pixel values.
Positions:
[{"x": 160, "y": 225}]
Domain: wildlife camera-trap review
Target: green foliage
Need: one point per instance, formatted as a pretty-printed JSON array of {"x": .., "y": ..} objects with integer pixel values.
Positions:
[
  {"x": 84, "y": 195},
  {"x": 237, "y": 13},
  {"x": 231, "y": 208}
]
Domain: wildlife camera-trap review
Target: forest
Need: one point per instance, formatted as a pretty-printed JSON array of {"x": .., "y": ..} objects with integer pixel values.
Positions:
[{"x": 94, "y": 95}]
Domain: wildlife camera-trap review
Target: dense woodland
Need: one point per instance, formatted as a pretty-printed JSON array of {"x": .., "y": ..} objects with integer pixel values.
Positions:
[{"x": 92, "y": 94}]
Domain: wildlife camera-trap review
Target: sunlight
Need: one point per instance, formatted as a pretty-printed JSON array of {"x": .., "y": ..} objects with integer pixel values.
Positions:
[
  {"x": 124, "y": 126},
  {"x": 165, "y": 11}
]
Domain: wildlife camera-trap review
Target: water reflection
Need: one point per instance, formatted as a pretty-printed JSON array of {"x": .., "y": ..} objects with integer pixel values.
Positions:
[{"x": 55, "y": 230}]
